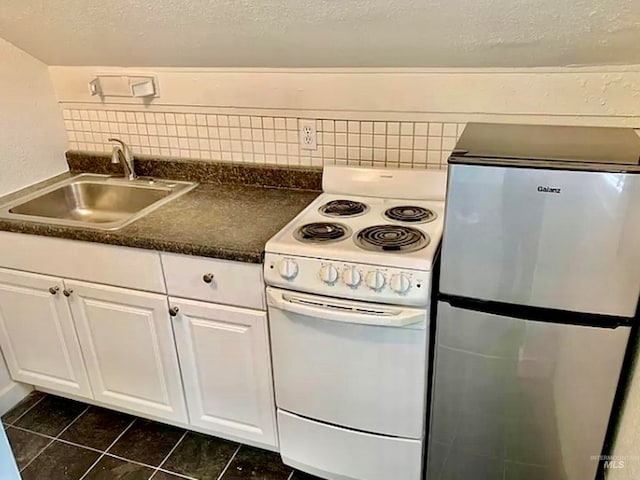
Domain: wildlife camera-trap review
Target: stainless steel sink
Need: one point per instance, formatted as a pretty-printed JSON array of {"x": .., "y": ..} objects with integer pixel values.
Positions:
[{"x": 95, "y": 201}]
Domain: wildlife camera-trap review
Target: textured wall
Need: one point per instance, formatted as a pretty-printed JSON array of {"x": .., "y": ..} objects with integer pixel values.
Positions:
[
  {"x": 353, "y": 33},
  {"x": 32, "y": 134}
]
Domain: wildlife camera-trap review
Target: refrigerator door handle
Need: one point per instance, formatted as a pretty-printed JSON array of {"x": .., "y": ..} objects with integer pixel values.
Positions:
[{"x": 547, "y": 315}]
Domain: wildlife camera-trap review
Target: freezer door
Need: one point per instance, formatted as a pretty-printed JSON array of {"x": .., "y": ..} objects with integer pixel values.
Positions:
[
  {"x": 566, "y": 240},
  {"x": 520, "y": 399}
]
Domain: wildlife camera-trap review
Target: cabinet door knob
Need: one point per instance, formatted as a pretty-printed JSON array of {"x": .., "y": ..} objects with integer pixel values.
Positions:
[
  {"x": 207, "y": 278},
  {"x": 54, "y": 290},
  {"x": 173, "y": 311},
  {"x": 67, "y": 292}
]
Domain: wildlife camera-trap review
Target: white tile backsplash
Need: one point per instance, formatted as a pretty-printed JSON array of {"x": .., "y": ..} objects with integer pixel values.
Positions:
[{"x": 263, "y": 139}]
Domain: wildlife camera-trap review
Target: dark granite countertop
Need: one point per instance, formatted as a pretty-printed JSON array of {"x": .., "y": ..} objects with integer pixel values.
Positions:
[{"x": 227, "y": 221}]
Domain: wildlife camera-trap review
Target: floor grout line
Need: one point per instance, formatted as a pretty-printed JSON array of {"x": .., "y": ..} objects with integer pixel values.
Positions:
[
  {"x": 166, "y": 457},
  {"x": 28, "y": 409},
  {"x": 175, "y": 474},
  {"x": 100, "y": 457},
  {"x": 22, "y": 429},
  {"x": 55, "y": 438},
  {"x": 39, "y": 453},
  {"x": 226, "y": 467},
  {"x": 61, "y": 440},
  {"x": 124, "y": 459}
]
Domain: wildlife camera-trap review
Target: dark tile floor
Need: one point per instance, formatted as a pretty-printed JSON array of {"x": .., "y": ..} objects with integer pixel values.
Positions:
[{"x": 56, "y": 438}]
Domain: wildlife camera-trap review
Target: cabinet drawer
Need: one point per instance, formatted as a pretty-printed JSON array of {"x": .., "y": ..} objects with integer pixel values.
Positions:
[
  {"x": 231, "y": 283},
  {"x": 93, "y": 262}
]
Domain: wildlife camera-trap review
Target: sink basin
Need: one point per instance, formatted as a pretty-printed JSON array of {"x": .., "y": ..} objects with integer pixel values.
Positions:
[{"x": 95, "y": 201}]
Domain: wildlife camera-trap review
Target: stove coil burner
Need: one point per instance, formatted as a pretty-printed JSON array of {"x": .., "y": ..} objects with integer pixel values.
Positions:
[
  {"x": 343, "y": 208},
  {"x": 410, "y": 214},
  {"x": 321, "y": 232},
  {"x": 391, "y": 238}
]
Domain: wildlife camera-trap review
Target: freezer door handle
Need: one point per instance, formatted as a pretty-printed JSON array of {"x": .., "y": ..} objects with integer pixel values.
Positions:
[{"x": 342, "y": 311}]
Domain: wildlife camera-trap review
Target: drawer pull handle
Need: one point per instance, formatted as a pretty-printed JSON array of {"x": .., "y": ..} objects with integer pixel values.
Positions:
[
  {"x": 173, "y": 311},
  {"x": 54, "y": 290},
  {"x": 67, "y": 292},
  {"x": 207, "y": 278}
]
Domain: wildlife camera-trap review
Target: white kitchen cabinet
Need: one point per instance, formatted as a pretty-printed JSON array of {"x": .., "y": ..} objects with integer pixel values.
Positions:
[
  {"x": 86, "y": 261},
  {"x": 113, "y": 342},
  {"x": 128, "y": 345},
  {"x": 37, "y": 334},
  {"x": 214, "y": 280},
  {"x": 226, "y": 367}
]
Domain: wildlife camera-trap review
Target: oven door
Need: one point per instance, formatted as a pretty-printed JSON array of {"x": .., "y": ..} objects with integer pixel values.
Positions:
[
  {"x": 560, "y": 239},
  {"x": 352, "y": 364}
]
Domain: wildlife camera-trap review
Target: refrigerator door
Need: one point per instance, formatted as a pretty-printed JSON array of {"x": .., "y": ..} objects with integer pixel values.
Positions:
[
  {"x": 520, "y": 399},
  {"x": 558, "y": 239}
]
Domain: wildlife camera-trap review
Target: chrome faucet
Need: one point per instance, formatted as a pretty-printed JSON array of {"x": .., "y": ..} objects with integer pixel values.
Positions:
[{"x": 122, "y": 154}]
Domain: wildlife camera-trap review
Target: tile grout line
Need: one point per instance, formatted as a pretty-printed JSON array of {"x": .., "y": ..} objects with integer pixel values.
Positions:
[
  {"x": 174, "y": 474},
  {"x": 166, "y": 457},
  {"x": 39, "y": 453},
  {"x": 62, "y": 440},
  {"x": 55, "y": 438},
  {"x": 152, "y": 467},
  {"x": 28, "y": 410},
  {"x": 226, "y": 467},
  {"x": 101, "y": 456}
]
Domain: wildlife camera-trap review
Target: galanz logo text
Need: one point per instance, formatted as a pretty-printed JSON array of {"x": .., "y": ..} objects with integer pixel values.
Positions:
[{"x": 548, "y": 189}]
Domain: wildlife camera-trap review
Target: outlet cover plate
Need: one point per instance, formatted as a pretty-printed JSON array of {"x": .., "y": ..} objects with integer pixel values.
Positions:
[{"x": 308, "y": 135}]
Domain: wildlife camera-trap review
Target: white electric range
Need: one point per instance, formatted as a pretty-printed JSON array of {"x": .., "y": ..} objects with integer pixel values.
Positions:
[{"x": 349, "y": 287}]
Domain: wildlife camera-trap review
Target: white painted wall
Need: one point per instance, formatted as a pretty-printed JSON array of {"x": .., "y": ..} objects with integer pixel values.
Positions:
[
  {"x": 588, "y": 96},
  {"x": 325, "y": 33},
  {"x": 32, "y": 144},
  {"x": 32, "y": 135}
]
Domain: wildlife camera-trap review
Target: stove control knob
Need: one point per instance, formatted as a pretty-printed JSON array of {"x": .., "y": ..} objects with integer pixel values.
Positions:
[
  {"x": 375, "y": 280},
  {"x": 400, "y": 283},
  {"x": 288, "y": 269},
  {"x": 351, "y": 276},
  {"x": 328, "y": 274}
]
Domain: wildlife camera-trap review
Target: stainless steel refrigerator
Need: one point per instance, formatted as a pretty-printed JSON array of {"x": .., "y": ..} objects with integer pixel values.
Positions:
[{"x": 539, "y": 287}]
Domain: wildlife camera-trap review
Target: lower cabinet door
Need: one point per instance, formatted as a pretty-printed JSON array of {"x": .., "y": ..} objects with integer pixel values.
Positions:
[
  {"x": 37, "y": 335},
  {"x": 129, "y": 349},
  {"x": 226, "y": 368}
]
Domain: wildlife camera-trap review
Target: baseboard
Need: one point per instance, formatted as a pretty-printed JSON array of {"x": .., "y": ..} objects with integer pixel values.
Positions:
[{"x": 12, "y": 394}]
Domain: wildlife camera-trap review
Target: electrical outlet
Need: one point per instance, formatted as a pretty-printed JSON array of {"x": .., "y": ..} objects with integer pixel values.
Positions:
[{"x": 308, "y": 136}]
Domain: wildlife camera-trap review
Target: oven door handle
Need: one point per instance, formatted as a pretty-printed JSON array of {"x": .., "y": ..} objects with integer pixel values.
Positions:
[{"x": 347, "y": 312}]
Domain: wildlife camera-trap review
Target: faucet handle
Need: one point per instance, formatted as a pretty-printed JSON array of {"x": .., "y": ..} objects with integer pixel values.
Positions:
[{"x": 117, "y": 140}]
